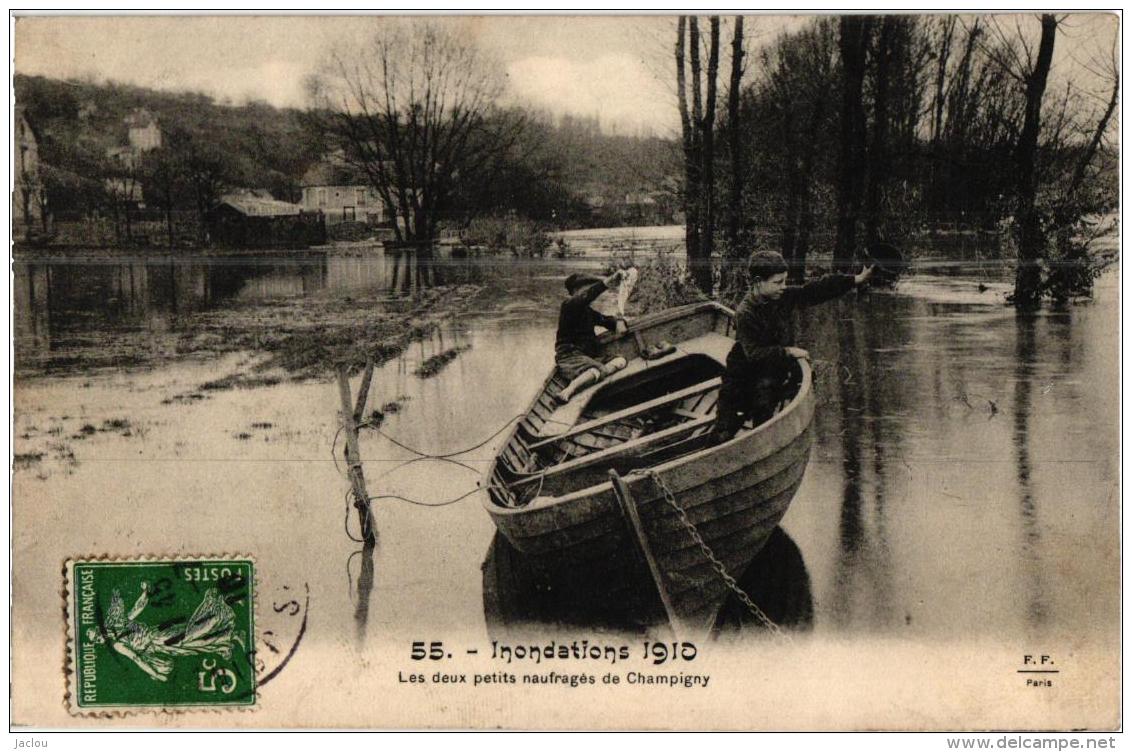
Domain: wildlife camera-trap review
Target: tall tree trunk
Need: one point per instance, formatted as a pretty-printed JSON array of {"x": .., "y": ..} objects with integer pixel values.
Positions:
[
  {"x": 396, "y": 267},
  {"x": 696, "y": 185},
  {"x": 29, "y": 222},
  {"x": 878, "y": 153},
  {"x": 735, "y": 198},
  {"x": 1031, "y": 241},
  {"x": 688, "y": 134},
  {"x": 806, "y": 178},
  {"x": 702, "y": 272},
  {"x": 852, "y": 42},
  {"x": 942, "y": 57},
  {"x": 126, "y": 214},
  {"x": 789, "y": 150}
]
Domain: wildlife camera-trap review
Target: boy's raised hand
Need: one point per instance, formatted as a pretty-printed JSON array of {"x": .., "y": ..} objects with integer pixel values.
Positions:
[{"x": 865, "y": 275}]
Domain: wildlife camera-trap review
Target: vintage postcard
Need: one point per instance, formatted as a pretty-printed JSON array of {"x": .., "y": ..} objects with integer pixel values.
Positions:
[{"x": 673, "y": 372}]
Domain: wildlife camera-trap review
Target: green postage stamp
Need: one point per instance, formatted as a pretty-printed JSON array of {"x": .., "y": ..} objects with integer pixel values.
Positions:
[{"x": 160, "y": 633}]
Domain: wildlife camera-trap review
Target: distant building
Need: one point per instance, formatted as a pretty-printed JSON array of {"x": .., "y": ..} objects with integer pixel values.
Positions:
[
  {"x": 253, "y": 219},
  {"x": 27, "y": 203},
  {"x": 341, "y": 194},
  {"x": 143, "y": 132}
]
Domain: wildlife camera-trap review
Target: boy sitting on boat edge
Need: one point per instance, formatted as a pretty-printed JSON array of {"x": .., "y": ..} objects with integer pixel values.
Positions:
[
  {"x": 576, "y": 345},
  {"x": 761, "y": 360}
]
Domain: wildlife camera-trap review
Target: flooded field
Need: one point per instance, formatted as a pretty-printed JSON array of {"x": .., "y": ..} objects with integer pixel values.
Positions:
[{"x": 963, "y": 483}]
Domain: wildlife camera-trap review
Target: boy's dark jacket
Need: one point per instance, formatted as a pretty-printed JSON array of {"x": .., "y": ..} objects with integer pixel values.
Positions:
[
  {"x": 576, "y": 321},
  {"x": 765, "y": 327}
]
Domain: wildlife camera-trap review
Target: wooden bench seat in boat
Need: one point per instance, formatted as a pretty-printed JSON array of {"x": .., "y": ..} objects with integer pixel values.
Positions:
[
  {"x": 562, "y": 420},
  {"x": 571, "y": 475},
  {"x": 643, "y": 407}
]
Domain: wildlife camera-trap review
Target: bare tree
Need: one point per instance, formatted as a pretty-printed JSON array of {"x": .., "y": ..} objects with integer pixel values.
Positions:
[
  {"x": 1031, "y": 242},
  {"x": 698, "y": 138},
  {"x": 1073, "y": 272},
  {"x": 946, "y": 32},
  {"x": 734, "y": 131},
  {"x": 853, "y": 41},
  {"x": 164, "y": 183},
  {"x": 688, "y": 135},
  {"x": 413, "y": 109},
  {"x": 703, "y": 275}
]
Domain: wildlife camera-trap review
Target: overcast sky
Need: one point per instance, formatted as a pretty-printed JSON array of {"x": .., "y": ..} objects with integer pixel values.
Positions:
[{"x": 618, "y": 68}]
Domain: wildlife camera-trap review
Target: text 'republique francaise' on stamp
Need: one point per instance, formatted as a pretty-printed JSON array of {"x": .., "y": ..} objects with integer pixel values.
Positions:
[{"x": 159, "y": 633}]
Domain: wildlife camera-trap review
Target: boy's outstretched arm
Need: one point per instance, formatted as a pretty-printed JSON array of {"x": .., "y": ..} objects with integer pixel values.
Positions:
[
  {"x": 589, "y": 294},
  {"x": 829, "y": 287}
]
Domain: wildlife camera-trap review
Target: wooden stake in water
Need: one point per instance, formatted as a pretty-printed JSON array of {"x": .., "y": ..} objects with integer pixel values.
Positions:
[{"x": 353, "y": 455}]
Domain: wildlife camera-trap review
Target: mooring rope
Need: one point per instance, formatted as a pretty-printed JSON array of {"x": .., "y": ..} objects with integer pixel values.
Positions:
[
  {"x": 427, "y": 455},
  {"x": 351, "y": 496},
  {"x": 421, "y": 455}
]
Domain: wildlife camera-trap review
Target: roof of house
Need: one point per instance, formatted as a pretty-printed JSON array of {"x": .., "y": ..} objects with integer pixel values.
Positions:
[
  {"x": 253, "y": 205},
  {"x": 21, "y": 112}
]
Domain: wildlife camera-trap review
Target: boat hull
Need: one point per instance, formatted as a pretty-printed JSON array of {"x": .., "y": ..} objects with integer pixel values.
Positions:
[{"x": 734, "y": 494}]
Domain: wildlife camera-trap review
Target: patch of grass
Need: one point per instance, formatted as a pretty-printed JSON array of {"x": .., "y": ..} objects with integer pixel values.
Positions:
[
  {"x": 26, "y": 460},
  {"x": 377, "y": 417},
  {"x": 436, "y": 363},
  {"x": 116, "y": 424},
  {"x": 239, "y": 381},
  {"x": 242, "y": 436},
  {"x": 263, "y": 425},
  {"x": 184, "y": 398},
  {"x": 88, "y": 430}
]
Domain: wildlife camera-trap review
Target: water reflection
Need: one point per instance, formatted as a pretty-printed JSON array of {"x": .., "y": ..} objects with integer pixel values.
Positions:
[
  {"x": 870, "y": 442},
  {"x": 60, "y": 302},
  {"x": 365, "y": 587},
  {"x": 619, "y": 596},
  {"x": 1023, "y": 405},
  {"x": 948, "y": 430}
]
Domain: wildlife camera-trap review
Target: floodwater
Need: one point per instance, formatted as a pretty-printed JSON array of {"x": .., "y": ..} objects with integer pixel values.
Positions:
[
  {"x": 64, "y": 305},
  {"x": 963, "y": 483}
]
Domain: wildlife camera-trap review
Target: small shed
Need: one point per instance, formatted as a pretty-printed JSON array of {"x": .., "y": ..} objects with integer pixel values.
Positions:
[{"x": 250, "y": 221}]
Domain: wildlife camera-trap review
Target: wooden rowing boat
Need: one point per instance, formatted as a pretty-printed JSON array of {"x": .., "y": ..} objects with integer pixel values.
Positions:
[{"x": 548, "y": 488}]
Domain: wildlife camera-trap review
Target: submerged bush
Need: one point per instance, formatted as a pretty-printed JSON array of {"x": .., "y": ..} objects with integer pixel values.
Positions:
[{"x": 664, "y": 282}]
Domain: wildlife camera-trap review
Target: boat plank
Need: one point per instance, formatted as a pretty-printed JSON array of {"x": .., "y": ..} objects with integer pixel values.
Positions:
[
  {"x": 631, "y": 411},
  {"x": 693, "y": 490}
]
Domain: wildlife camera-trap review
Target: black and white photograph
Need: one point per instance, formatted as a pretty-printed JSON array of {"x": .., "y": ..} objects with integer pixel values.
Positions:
[{"x": 736, "y": 371}]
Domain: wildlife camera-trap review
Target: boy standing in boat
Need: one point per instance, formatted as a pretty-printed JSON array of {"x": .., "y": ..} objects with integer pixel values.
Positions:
[
  {"x": 761, "y": 360},
  {"x": 576, "y": 345}
]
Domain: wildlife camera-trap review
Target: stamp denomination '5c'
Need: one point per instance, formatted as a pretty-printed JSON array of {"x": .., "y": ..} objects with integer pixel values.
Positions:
[{"x": 165, "y": 633}]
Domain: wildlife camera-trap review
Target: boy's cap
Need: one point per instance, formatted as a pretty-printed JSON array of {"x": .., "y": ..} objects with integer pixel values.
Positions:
[
  {"x": 576, "y": 282},
  {"x": 763, "y": 264}
]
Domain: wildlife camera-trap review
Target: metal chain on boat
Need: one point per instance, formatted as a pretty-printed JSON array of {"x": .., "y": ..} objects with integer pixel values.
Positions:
[{"x": 716, "y": 564}]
